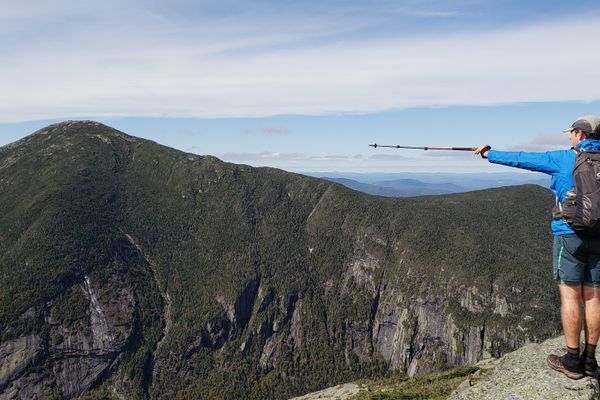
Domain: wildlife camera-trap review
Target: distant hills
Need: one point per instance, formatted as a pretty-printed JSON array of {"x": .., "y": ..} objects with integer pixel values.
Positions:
[
  {"x": 418, "y": 184},
  {"x": 399, "y": 188},
  {"x": 132, "y": 270}
]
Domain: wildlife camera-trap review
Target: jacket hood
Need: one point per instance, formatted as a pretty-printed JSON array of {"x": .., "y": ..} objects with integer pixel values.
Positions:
[{"x": 589, "y": 145}]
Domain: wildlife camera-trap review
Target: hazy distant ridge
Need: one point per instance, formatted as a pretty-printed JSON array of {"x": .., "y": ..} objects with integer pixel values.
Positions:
[
  {"x": 417, "y": 184},
  {"x": 399, "y": 188}
]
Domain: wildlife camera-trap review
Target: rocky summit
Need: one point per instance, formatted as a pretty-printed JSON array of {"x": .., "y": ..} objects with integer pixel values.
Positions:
[
  {"x": 520, "y": 375},
  {"x": 524, "y": 375},
  {"x": 132, "y": 270}
]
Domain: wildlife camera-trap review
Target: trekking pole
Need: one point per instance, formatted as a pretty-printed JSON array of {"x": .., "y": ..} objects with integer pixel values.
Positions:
[{"x": 425, "y": 147}]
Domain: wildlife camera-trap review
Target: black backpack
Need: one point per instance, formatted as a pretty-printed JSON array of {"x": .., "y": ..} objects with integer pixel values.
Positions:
[{"x": 581, "y": 206}]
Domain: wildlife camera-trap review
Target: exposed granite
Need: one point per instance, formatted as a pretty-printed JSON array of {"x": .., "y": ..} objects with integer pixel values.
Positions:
[
  {"x": 524, "y": 375},
  {"x": 339, "y": 392}
]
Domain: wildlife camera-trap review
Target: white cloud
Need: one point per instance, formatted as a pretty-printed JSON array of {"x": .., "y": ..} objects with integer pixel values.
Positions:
[
  {"x": 436, "y": 14},
  {"x": 461, "y": 155},
  {"x": 265, "y": 156},
  {"x": 374, "y": 162},
  {"x": 387, "y": 157},
  {"x": 283, "y": 157},
  {"x": 544, "y": 142},
  {"x": 269, "y": 130},
  {"x": 236, "y": 70}
]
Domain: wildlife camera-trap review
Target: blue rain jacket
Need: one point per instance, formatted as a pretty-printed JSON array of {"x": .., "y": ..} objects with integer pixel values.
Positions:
[{"x": 558, "y": 164}]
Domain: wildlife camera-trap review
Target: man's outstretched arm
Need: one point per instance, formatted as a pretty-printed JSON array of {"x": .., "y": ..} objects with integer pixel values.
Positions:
[{"x": 546, "y": 162}]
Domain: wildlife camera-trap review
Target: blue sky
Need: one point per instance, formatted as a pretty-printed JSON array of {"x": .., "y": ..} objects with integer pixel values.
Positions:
[{"x": 306, "y": 85}]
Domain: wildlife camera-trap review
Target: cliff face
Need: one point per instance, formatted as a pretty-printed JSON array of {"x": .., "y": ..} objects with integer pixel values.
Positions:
[
  {"x": 422, "y": 325},
  {"x": 130, "y": 270},
  {"x": 519, "y": 375},
  {"x": 416, "y": 333},
  {"x": 70, "y": 356},
  {"x": 81, "y": 337}
]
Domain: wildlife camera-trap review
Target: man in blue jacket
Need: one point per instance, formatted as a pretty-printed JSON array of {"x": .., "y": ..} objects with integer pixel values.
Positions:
[{"x": 576, "y": 257}]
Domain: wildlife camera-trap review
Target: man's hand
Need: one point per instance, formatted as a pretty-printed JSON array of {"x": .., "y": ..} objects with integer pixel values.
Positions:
[{"x": 483, "y": 150}]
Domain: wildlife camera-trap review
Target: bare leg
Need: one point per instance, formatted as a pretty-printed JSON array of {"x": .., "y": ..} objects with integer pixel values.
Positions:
[
  {"x": 570, "y": 311},
  {"x": 591, "y": 298}
]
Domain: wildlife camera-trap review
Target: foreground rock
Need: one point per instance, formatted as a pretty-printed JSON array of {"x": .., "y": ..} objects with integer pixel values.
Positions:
[
  {"x": 338, "y": 392},
  {"x": 524, "y": 375},
  {"x": 520, "y": 375}
]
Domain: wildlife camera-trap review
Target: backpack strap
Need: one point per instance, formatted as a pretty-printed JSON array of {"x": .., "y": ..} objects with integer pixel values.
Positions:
[{"x": 557, "y": 210}]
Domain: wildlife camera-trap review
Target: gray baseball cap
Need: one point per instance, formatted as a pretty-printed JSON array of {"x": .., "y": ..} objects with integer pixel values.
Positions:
[{"x": 589, "y": 124}]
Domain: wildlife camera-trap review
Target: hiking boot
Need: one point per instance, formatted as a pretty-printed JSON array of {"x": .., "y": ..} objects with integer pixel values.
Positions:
[
  {"x": 573, "y": 370},
  {"x": 590, "y": 366}
]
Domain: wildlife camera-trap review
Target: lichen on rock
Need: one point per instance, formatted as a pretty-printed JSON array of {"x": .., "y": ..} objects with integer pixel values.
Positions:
[{"x": 524, "y": 375}]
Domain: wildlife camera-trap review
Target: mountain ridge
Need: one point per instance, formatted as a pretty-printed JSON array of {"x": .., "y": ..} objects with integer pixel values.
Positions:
[{"x": 278, "y": 283}]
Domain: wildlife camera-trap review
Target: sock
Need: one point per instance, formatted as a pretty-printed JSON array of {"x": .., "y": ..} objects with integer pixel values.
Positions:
[
  {"x": 571, "y": 359},
  {"x": 573, "y": 352},
  {"x": 590, "y": 351}
]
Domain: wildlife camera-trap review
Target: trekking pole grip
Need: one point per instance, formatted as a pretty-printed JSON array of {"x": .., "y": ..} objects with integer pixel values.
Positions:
[{"x": 484, "y": 150}]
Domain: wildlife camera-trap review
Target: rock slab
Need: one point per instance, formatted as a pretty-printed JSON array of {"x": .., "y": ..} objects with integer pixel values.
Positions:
[
  {"x": 524, "y": 375},
  {"x": 339, "y": 392}
]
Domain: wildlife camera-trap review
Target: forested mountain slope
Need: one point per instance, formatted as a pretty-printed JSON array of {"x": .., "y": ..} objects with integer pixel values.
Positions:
[{"x": 132, "y": 270}]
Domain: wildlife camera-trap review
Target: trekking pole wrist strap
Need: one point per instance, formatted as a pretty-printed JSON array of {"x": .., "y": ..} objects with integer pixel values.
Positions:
[{"x": 484, "y": 150}]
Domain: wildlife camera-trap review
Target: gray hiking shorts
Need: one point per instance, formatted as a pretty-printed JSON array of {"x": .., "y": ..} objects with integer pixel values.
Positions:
[{"x": 577, "y": 260}]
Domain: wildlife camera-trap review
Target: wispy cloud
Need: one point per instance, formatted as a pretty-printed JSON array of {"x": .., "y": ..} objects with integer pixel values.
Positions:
[
  {"x": 161, "y": 64},
  {"x": 436, "y": 14},
  {"x": 462, "y": 155},
  {"x": 387, "y": 157},
  {"x": 283, "y": 157},
  {"x": 262, "y": 156},
  {"x": 187, "y": 132},
  {"x": 269, "y": 130},
  {"x": 544, "y": 142},
  {"x": 338, "y": 162}
]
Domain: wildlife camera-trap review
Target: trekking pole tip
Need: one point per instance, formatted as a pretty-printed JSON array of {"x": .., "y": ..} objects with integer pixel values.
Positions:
[{"x": 373, "y": 145}]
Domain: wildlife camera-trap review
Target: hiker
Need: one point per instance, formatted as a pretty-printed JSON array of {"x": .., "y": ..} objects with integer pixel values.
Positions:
[{"x": 576, "y": 256}]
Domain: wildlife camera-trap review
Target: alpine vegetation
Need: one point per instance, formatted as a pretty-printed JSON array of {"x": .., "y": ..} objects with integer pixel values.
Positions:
[{"x": 132, "y": 270}]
